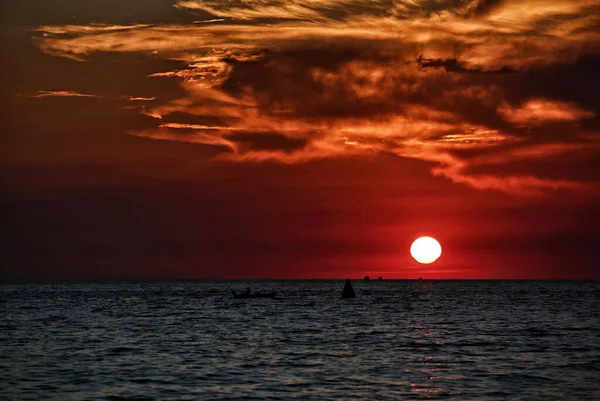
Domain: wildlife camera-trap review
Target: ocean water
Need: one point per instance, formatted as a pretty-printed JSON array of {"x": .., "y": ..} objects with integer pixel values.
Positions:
[{"x": 480, "y": 340}]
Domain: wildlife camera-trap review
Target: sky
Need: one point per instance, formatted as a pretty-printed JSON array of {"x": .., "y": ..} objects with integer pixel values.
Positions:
[{"x": 191, "y": 139}]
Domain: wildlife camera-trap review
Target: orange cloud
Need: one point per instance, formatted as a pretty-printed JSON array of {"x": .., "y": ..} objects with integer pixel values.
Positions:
[
  {"x": 61, "y": 94},
  {"x": 292, "y": 81},
  {"x": 543, "y": 111}
]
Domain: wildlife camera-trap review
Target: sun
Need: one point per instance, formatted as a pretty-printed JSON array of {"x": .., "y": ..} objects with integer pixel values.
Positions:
[{"x": 426, "y": 250}]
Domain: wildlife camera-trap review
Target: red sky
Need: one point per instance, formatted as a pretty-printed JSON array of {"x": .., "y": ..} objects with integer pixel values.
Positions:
[{"x": 299, "y": 139}]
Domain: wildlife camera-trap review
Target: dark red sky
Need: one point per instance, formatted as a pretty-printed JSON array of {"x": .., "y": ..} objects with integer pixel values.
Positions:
[{"x": 306, "y": 139}]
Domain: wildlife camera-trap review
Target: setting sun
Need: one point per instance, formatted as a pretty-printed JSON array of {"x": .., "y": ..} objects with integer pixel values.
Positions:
[{"x": 426, "y": 250}]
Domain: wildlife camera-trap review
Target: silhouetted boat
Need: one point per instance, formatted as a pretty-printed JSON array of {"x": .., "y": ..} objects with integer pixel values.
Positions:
[
  {"x": 348, "y": 291},
  {"x": 252, "y": 295}
]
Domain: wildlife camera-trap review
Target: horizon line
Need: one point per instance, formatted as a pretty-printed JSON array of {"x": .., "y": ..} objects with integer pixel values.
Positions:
[{"x": 101, "y": 280}]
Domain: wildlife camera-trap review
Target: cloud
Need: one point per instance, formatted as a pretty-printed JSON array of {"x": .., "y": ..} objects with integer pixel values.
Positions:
[
  {"x": 68, "y": 93},
  {"x": 209, "y": 20},
  {"x": 142, "y": 99},
  {"x": 61, "y": 94},
  {"x": 504, "y": 37},
  {"x": 254, "y": 9},
  {"x": 453, "y": 65},
  {"x": 542, "y": 111},
  {"x": 460, "y": 85}
]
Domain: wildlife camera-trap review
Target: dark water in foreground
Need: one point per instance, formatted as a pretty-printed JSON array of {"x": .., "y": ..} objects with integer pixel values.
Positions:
[{"x": 406, "y": 340}]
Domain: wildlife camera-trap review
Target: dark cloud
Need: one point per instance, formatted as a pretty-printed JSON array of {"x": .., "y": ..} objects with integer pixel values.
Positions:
[
  {"x": 574, "y": 82},
  {"x": 478, "y": 7},
  {"x": 453, "y": 65},
  {"x": 284, "y": 83},
  {"x": 267, "y": 141},
  {"x": 370, "y": 98}
]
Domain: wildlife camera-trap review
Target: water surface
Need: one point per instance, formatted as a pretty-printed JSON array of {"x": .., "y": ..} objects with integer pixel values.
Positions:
[{"x": 478, "y": 340}]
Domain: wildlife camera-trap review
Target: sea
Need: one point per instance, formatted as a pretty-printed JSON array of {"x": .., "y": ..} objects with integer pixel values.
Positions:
[{"x": 397, "y": 340}]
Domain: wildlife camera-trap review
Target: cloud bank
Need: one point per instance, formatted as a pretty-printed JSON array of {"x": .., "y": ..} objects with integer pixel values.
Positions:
[{"x": 474, "y": 88}]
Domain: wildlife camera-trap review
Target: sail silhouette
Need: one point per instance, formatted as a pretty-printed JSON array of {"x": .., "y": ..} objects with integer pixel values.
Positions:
[{"x": 348, "y": 291}]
